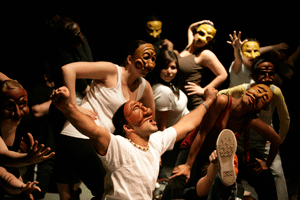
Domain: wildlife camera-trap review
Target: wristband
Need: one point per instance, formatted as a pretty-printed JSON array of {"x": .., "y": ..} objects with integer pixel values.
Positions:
[{"x": 205, "y": 106}]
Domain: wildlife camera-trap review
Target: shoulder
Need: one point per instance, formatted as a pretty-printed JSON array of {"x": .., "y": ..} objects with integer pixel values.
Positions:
[
  {"x": 276, "y": 90},
  {"x": 221, "y": 102},
  {"x": 206, "y": 54},
  {"x": 161, "y": 89}
]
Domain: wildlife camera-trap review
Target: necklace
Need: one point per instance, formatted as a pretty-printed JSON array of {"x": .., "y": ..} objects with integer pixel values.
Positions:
[{"x": 138, "y": 146}]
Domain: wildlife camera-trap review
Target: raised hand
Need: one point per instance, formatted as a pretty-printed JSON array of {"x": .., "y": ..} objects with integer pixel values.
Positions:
[
  {"x": 37, "y": 153},
  {"x": 236, "y": 40}
]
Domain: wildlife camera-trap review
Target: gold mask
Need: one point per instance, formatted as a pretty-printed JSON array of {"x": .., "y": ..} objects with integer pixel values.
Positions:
[
  {"x": 251, "y": 49},
  {"x": 206, "y": 32},
  {"x": 154, "y": 28}
]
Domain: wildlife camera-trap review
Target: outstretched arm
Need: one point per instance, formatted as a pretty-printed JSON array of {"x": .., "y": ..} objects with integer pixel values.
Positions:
[
  {"x": 99, "y": 136},
  {"x": 36, "y": 153},
  {"x": 237, "y": 44},
  {"x": 13, "y": 185},
  {"x": 192, "y": 120}
]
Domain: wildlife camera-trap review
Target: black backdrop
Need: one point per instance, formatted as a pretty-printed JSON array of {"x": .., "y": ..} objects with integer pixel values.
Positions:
[{"x": 109, "y": 28}]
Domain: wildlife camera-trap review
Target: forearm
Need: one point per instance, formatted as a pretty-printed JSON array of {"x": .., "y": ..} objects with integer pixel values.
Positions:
[
  {"x": 205, "y": 183},
  {"x": 238, "y": 61},
  {"x": 69, "y": 80},
  {"x": 272, "y": 154},
  {"x": 191, "y": 121},
  {"x": 10, "y": 183},
  {"x": 195, "y": 148},
  {"x": 14, "y": 159},
  {"x": 83, "y": 123},
  {"x": 216, "y": 82},
  {"x": 40, "y": 110}
]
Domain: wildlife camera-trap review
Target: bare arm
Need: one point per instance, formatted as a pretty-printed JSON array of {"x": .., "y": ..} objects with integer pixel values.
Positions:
[
  {"x": 36, "y": 153},
  {"x": 13, "y": 185},
  {"x": 209, "y": 59},
  {"x": 276, "y": 47},
  {"x": 148, "y": 98},
  {"x": 236, "y": 44},
  {"x": 40, "y": 110},
  {"x": 192, "y": 120},
  {"x": 270, "y": 135},
  {"x": 3, "y": 77},
  {"x": 192, "y": 26},
  {"x": 105, "y": 72},
  {"x": 99, "y": 136},
  {"x": 204, "y": 184},
  {"x": 206, "y": 125}
]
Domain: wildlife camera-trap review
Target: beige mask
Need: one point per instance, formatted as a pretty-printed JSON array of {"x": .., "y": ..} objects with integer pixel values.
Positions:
[
  {"x": 206, "y": 32},
  {"x": 144, "y": 57},
  {"x": 251, "y": 49},
  {"x": 154, "y": 28}
]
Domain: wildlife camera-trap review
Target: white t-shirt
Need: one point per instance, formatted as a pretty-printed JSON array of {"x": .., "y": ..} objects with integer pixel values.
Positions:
[
  {"x": 105, "y": 102},
  {"x": 131, "y": 172},
  {"x": 166, "y": 100},
  {"x": 242, "y": 77}
]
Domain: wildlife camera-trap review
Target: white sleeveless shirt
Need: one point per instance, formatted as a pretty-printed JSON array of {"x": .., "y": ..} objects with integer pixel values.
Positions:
[{"x": 105, "y": 102}]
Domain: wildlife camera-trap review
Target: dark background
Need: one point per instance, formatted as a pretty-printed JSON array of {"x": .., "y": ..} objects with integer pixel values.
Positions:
[{"x": 110, "y": 27}]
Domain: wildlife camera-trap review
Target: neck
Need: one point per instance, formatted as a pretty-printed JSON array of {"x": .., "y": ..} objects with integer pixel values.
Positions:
[
  {"x": 128, "y": 77},
  {"x": 143, "y": 142},
  {"x": 237, "y": 108}
]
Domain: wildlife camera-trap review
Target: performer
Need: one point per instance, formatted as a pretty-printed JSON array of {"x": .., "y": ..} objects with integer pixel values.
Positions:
[
  {"x": 262, "y": 72},
  {"x": 196, "y": 59},
  {"x": 112, "y": 86},
  {"x": 131, "y": 155},
  {"x": 237, "y": 115}
]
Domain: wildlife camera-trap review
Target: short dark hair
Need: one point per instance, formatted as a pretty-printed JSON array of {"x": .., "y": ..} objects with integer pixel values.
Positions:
[
  {"x": 131, "y": 49},
  {"x": 255, "y": 68},
  {"x": 119, "y": 121}
]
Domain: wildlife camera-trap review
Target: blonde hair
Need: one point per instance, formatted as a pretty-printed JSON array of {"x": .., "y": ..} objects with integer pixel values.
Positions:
[{"x": 9, "y": 85}]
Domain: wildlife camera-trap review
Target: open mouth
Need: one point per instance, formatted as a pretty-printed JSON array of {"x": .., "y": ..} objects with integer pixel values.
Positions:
[
  {"x": 151, "y": 120},
  {"x": 251, "y": 98}
]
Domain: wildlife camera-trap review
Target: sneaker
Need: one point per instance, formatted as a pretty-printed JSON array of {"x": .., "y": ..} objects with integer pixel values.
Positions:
[{"x": 226, "y": 147}]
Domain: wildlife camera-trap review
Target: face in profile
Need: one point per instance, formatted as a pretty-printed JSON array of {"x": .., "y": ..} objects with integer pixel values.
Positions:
[
  {"x": 144, "y": 58},
  {"x": 258, "y": 97}
]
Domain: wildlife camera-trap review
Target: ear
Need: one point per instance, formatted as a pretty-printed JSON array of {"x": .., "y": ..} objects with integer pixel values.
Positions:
[
  {"x": 128, "y": 129},
  {"x": 129, "y": 59}
]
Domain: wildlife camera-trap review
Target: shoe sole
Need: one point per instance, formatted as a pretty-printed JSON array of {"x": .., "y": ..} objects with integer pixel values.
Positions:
[{"x": 226, "y": 147}]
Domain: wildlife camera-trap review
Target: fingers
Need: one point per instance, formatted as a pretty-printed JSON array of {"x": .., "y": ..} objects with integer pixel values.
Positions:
[{"x": 31, "y": 139}]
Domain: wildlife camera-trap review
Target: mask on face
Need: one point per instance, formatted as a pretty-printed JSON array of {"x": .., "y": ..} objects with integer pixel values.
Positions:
[
  {"x": 144, "y": 57},
  {"x": 135, "y": 113},
  {"x": 251, "y": 49},
  {"x": 154, "y": 28},
  {"x": 206, "y": 32}
]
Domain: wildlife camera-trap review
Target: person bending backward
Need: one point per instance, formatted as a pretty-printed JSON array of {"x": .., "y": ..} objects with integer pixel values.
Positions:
[
  {"x": 131, "y": 155},
  {"x": 112, "y": 86},
  {"x": 236, "y": 115}
]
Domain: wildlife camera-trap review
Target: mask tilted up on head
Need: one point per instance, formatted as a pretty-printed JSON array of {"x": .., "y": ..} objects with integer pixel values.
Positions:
[
  {"x": 144, "y": 57},
  {"x": 206, "y": 32},
  {"x": 154, "y": 28},
  {"x": 251, "y": 49}
]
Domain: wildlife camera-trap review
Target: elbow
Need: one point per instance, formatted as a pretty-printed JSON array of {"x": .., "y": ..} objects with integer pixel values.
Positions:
[
  {"x": 35, "y": 112},
  {"x": 224, "y": 76}
]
